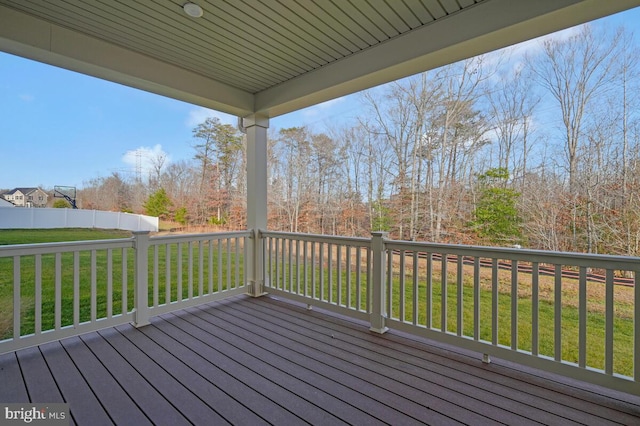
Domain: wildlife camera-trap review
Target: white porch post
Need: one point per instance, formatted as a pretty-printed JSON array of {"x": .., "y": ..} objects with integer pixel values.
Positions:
[
  {"x": 378, "y": 311},
  {"x": 256, "y": 129},
  {"x": 141, "y": 281}
]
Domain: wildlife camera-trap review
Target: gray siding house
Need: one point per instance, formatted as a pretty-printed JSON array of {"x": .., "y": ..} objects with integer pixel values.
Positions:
[{"x": 26, "y": 197}]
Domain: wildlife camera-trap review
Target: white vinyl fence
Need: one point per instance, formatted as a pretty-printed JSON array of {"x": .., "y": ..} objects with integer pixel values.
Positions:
[{"x": 26, "y": 218}]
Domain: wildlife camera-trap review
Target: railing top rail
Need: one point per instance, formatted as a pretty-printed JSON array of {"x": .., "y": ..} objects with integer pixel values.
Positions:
[
  {"x": 198, "y": 237},
  {"x": 353, "y": 241},
  {"x": 527, "y": 255},
  {"x": 65, "y": 246}
]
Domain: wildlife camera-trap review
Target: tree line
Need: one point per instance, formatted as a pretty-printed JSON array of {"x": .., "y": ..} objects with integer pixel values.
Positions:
[{"x": 540, "y": 150}]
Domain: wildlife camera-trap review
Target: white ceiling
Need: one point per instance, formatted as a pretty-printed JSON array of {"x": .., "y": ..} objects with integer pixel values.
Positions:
[{"x": 274, "y": 56}]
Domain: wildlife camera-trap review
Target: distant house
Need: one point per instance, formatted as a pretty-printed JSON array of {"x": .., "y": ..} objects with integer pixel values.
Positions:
[{"x": 26, "y": 197}]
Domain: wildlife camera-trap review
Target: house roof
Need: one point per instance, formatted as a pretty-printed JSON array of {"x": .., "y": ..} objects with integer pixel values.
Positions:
[
  {"x": 273, "y": 57},
  {"x": 24, "y": 191}
]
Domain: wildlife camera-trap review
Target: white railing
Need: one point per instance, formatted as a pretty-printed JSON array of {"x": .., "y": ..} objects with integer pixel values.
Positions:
[
  {"x": 55, "y": 290},
  {"x": 192, "y": 269},
  {"x": 330, "y": 272},
  {"x": 573, "y": 314}
]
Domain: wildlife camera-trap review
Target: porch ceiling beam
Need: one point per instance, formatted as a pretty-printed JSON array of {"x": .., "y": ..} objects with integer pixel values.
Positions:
[
  {"x": 485, "y": 27},
  {"x": 33, "y": 38}
]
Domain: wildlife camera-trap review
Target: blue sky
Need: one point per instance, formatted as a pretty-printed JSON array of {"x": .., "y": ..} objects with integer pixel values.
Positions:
[{"x": 63, "y": 128}]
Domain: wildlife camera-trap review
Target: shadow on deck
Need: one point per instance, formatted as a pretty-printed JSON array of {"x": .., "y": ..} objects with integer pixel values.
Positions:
[{"x": 253, "y": 361}]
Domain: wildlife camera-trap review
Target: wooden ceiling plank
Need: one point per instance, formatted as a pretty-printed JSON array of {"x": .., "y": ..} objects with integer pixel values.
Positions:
[
  {"x": 407, "y": 15},
  {"x": 93, "y": 23},
  {"x": 435, "y": 9},
  {"x": 332, "y": 27},
  {"x": 198, "y": 33},
  {"x": 290, "y": 11},
  {"x": 256, "y": 32},
  {"x": 451, "y": 6},
  {"x": 420, "y": 10},
  {"x": 372, "y": 14},
  {"x": 377, "y": 35}
]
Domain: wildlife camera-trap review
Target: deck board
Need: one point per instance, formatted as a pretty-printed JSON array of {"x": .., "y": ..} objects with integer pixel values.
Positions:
[
  {"x": 267, "y": 361},
  {"x": 150, "y": 401},
  {"x": 456, "y": 381},
  {"x": 441, "y": 394}
]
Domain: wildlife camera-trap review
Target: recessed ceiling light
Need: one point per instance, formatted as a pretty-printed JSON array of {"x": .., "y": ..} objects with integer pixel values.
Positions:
[{"x": 193, "y": 10}]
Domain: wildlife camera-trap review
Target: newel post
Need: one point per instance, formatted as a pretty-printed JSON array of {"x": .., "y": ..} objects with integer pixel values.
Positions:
[
  {"x": 378, "y": 312},
  {"x": 141, "y": 280}
]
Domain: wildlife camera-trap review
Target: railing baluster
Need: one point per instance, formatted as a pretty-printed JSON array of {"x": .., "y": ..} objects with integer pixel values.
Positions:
[
  {"x": 389, "y": 284},
  {"x": 190, "y": 270},
  {"x": 348, "y": 268},
  {"x": 210, "y": 266},
  {"x": 220, "y": 289},
  {"x": 321, "y": 270},
  {"x": 330, "y": 271},
  {"x": 460, "y": 288},
  {"x": 369, "y": 284},
  {"x": 200, "y": 269},
  {"x": 608, "y": 333},
  {"x": 76, "y": 288},
  {"x": 109, "y": 283},
  {"x": 313, "y": 270},
  {"x": 476, "y": 298},
  {"x": 179, "y": 272},
  {"x": 229, "y": 264},
  {"x": 514, "y": 305},
  {"x": 58, "y": 292},
  {"x": 125, "y": 284},
  {"x": 236, "y": 262},
  {"x": 416, "y": 286},
  {"x": 156, "y": 261},
  {"x": 557, "y": 314},
  {"x": 167, "y": 274},
  {"x": 94, "y": 287},
  {"x": 297, "y": 266},
  {"x": 339, "y": 262},
  {"x": 429, "y": 292},
  {"x": 16, "y": 297},
  {"x": 402, "y": 291},
  {"x": 305, "y": 272},
  {"x": 535, "y": 308},
  {"x": 290, "y": 264},
  {"x": 444, "y": 293},
  {"x": 38, "y": 294},
  {"x": 358, "y": 278},
  {"x": 636, "y": 326},
  {"x": 582, "y": 318},
  {"x": 494, "y": 301}
]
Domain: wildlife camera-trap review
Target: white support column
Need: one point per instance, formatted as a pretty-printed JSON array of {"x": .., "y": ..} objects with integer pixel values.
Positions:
[
  {"x": 141, "y": 282},
  {"x": 256, "y": 129},
  {"x": 378, "y": 311}
]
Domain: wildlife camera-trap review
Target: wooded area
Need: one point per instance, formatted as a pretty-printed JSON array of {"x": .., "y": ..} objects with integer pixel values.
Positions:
[{"x": 540, "y": 150}]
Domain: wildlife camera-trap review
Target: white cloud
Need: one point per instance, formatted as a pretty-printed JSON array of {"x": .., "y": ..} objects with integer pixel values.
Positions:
[
  {"x": 25, "y": 97},
  {"x": 200, "y": 114},
  {"x": 144, "y": 159}
]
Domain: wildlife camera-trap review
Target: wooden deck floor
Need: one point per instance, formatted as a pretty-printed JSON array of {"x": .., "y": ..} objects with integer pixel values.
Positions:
[{"x": 251, "y": 361}]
